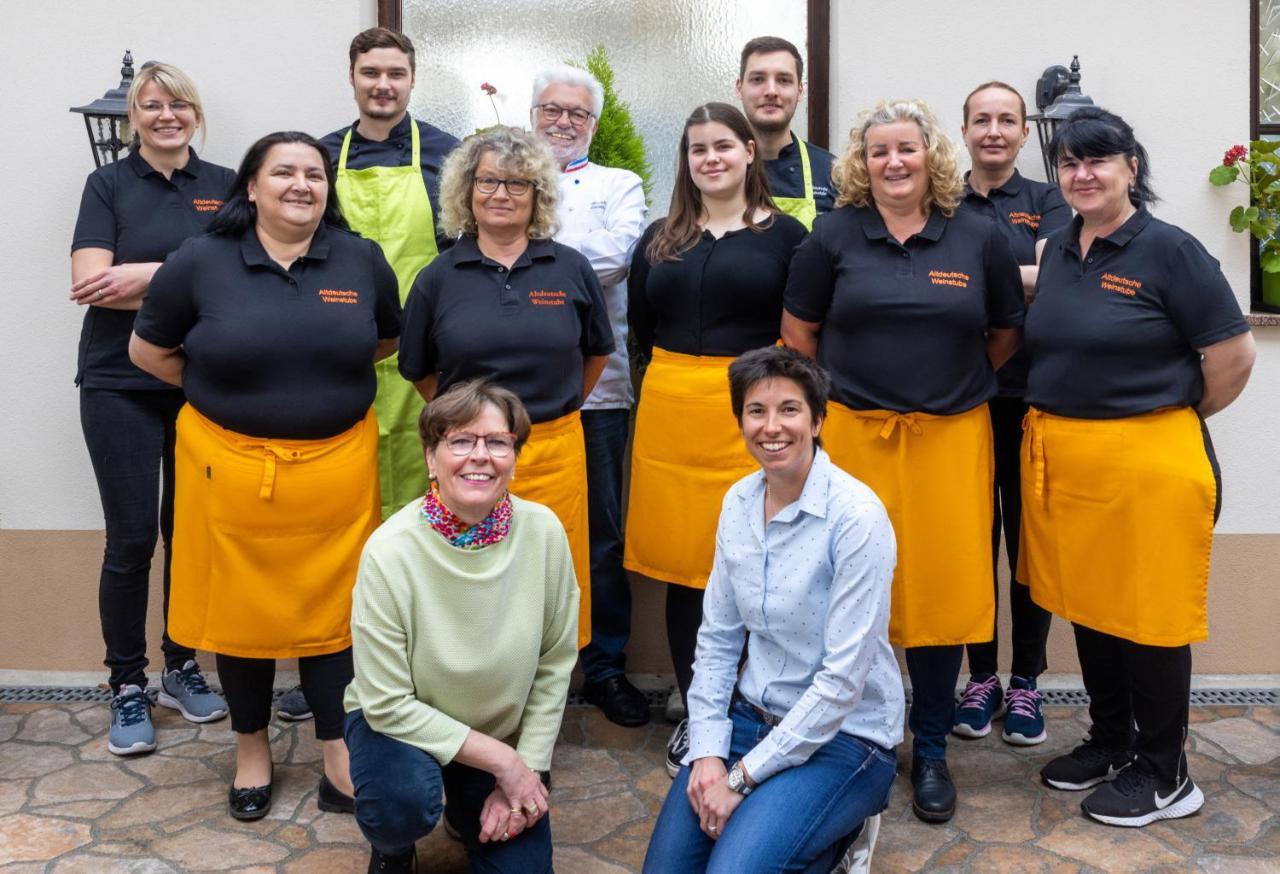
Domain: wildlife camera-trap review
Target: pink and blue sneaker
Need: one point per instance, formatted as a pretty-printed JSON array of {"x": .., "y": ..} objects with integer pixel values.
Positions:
[
  {"x": 1023, "y": 721},
  {"x": 981, "y": 701}
]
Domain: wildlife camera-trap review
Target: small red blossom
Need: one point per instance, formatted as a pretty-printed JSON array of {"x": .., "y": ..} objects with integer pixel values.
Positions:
[
  {"x": 1233, "y": 154},
  {"x": 488, "y": 89}
]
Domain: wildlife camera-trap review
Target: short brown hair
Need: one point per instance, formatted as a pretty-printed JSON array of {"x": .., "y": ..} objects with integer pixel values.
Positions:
[
  {"x": 462, "y": 403},
  {"x": 1022, "y": 104},
  {"x": 764, "y": 45},
  {"x": 382, "y": 38}
]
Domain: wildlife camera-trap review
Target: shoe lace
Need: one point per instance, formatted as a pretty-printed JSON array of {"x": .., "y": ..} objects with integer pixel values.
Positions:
[
  {"x": 132, "y": 708},
  {"x": 1132, "y": 782},
  {"x": 193, "y": 681},
  {"x": 680, "y": 739},
  {"x": 977, "y": 693},
  {"x": 1023, "y": 702}
]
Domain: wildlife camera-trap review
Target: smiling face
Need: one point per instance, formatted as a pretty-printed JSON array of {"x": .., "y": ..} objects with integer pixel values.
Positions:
[
  {"x": 995, "y": 130},
  {"x": 770, "y": 90},
  {"x": 160, "y": 125},
  {"x": 290, "y": 190},
  {"x": 500, "y": 210},
  {"x": 1097, "y": 188},
  {"x": 718, "y": 160},
  {"x": 567, "y": 142},
  {"x": 470, "y": 485},
  {"x": 897, "y": 165},
  {"x": 778, "y": 427},
  {"x": 382, "y": 79}
]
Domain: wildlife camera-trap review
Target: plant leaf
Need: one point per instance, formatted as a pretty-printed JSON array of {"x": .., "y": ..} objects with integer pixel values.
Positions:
[
  {"x": 1238, "y": 220},
  {"x": 1221, "y": 175},
  {"x": 1270, "y": 260}
]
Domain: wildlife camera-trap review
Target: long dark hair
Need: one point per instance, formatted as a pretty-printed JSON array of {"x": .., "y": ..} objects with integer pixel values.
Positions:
[
  {"x": 679, "y": 231},
  {"x": 238, "y": 214},
  {"x": 1093, "y": 132}
]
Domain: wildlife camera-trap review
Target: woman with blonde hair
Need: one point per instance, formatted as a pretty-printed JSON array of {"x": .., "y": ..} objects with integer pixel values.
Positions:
[
  {"x": 911, "y": 306},
  {"x": 509, "y": 304},
  {"x": 133, "y": 213}
]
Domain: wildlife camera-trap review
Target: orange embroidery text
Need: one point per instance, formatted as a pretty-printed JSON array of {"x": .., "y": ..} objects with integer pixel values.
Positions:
[
  {"x": 334, "y": 295},
  {"x": 206, "y": 205},
  {"x": 944, "y": 277},
  {"x": 542, "y": 297},
  {"x": 1119, "y": 284},
  {"x": 1030, "y": 219}
]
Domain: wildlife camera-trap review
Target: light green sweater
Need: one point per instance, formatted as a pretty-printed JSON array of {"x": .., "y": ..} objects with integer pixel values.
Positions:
[{"x": 448, "y": 639}]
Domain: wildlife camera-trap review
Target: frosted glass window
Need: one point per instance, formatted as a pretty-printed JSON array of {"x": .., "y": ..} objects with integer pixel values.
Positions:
[
  {"x": 667, "y": 57},
  {"x": 1269, "y": 61}
]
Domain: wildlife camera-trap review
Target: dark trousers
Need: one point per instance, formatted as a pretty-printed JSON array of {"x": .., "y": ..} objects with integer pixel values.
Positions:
[
  {"x": 605, "y": 432},
  {"x": 684, "y": 615},
  {"x": 1132, "y": 683},
  {"x": 130, "y": 436},
  {"x": 247, "y": 685},
  {"x": 933, "y": 671},
  {"x": 1030, "y": 629},
  {"x": 400, "y": 794}
]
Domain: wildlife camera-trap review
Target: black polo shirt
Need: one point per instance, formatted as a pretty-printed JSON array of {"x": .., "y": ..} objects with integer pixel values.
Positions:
[
  {"x": 131, "y": 209},
  {"x": 274, "y": 352},
  {"x": 1116, "y": 334},
  {"x": 528, "y": 328},
  {"x": 723, "y": 297},
  {"x": 904, "y": 325},
  {"x": 786, "y": 174},
  {"x": 1026, "y": 211},
  {"x": 397, "y": 151}
]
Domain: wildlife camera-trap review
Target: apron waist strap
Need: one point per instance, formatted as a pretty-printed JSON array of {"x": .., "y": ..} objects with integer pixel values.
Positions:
[
  {"x": 892, "y": 421},
  {"x": 1033, "y": 424}
]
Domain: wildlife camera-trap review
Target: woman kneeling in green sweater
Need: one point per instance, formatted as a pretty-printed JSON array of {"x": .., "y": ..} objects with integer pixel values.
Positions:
[{"x": 464, "y": 627}]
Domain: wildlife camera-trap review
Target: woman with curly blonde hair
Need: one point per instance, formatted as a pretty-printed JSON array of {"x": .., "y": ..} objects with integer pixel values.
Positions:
[
  {"x": 509, "y": 304},
  {"x": 911, "y": 306}
]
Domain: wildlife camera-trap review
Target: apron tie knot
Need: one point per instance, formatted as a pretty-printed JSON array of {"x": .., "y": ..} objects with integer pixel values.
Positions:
[
  {"x": 906, "y": 420},
  {"x": 1033, "y": 424}
]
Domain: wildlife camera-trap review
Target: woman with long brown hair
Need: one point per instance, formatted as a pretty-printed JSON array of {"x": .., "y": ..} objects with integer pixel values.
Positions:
[{"x": 706, "y": 286}]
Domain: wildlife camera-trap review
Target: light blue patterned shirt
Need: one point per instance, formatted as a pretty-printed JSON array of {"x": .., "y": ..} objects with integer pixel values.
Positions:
[{"x": 812, "y": 588}]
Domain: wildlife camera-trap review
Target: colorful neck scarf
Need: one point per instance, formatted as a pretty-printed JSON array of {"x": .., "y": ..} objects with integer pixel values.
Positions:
[{"x": 488, "y": 531}]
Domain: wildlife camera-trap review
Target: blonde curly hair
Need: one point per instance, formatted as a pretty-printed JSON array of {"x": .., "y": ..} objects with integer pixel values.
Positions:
[
  {"x": 946, "y": 185},
  {"x": 518, "y": 152}
]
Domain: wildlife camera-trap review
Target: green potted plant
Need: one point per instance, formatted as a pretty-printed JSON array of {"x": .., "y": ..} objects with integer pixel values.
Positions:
[{"x": 1256, "y": 167}]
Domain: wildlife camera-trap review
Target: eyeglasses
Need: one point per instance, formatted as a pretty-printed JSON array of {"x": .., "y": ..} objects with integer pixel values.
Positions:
[
  {"x": 552, "y": 112},
  {"x": 515, "y": 187},
  {"x": 499, "y": 443},
  {"x": 155, "y": 107}
]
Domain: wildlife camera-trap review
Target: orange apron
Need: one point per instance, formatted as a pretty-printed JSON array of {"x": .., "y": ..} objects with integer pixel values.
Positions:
[
  {"x": 267, "y": 537},
  {"x": 686, "y": 453},
  {"x": 935, "y": 475},
  {"x": 1117, "y": 523}
]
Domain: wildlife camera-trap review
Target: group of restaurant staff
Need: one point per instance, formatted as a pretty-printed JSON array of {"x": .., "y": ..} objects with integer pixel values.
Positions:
[{"x": 258, "y": 347}]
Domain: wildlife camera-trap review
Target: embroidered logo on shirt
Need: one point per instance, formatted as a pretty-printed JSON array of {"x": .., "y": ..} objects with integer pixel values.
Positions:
[
  {"x": 206, "y": 204},
  {"x": 1030, "y": 219},
  {"x": 546, "y": 298},
  {"x": 334, "y": 295},
  {"x": 1120, "y": 284},
  {"x": 949, "y": 277}
]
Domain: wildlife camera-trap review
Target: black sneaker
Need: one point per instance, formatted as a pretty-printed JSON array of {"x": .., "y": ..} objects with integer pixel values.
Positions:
[
  {"x": 621, "y": 702},
  {"x": 1135, "y": 799},
  {"x": 385, "y": 863},
  {"x": 677, "y": 748},
  {"x": 293, "y": 706},
  {"x": 1087, "y": 765}
]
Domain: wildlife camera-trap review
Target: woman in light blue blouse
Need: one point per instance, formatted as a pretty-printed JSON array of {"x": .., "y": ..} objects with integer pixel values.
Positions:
[{"x": 789, "y": 759}]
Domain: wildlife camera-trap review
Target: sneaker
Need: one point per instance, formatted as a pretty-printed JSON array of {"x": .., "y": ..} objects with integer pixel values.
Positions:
[
  {"x": 675, "y": 710},
  {"x": 186, "y": 691},
  {"x": 386, "y": 863},
  {"x": 1023, "y": 721},
  {"x": 677, "y": 748},
  {"x": 621, "y": 702},
  {"x": 131, "y": 730},
  {"x": 293, "y": 706},
  {"x": 981, "y": 701},
  {"x": 1134, "y": 799},
  {"x": 857, "y": 858},
  {"x": 1087, "y": 765}
]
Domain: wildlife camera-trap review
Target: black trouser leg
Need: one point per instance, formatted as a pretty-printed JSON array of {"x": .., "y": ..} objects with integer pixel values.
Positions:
[
  {"x": 1160, "y": 685},
  {"x": 247, "y": 685},
  {"x": 684, "y": 615},
  {"x": 1105, "y": 668},
  {"x": 324, "y": 682}
]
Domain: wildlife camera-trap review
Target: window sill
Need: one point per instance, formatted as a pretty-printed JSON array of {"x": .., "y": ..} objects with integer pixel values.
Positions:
[{"x": 1256, "y": 320}]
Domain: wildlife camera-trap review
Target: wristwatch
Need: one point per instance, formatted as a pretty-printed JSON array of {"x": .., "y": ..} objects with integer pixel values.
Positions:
[{"x": 738, "y": 780}]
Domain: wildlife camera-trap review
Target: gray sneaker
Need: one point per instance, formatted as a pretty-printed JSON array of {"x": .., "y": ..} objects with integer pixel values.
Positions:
[
  {"x": 293, "y": 706},
  {"x": 187, "y": 692},
  {"x": 131, "y": 731}
]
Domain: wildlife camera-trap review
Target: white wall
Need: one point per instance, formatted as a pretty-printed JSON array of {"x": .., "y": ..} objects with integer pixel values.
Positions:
[
  {"x": 260, "y": 67},
  {"x": 1177, "y": 70}
]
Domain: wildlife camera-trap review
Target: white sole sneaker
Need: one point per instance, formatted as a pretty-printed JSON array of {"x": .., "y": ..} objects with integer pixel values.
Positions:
[
  {"x": 1021, "y": 740},
  {"x": 164, "y": 699},
  {"x": 135, "y": 749},
  {"x": 1187, "y": 806}
]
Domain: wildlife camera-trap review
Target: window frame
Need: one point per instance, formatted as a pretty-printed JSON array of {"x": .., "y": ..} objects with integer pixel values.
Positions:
[{"x": 1257, "y": 130}]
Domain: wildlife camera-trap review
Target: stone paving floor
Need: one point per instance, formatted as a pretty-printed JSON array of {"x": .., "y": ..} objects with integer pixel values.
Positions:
[{"x": 67, "y": 805}]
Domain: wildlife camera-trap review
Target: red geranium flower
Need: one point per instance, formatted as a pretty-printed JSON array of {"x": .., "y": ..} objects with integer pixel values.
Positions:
[
  {"x": 1233, "y": 154},
  {"x": 488, "y": 89}
]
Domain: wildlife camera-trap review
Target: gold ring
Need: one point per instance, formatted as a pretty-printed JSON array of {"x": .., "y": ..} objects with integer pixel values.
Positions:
[
  {"x": 506, "y": 836},
  {"x": 531, "y": 809},
  {"x": 516, "y": 810}
]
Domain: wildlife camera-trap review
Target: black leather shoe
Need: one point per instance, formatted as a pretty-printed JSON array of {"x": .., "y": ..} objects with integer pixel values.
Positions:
[
  {"x": 621, "y": 702},
  {"x": 333, "y": 799},
  {"x": 385, "y": 863},
  {"x": 933, "y": 793},
  {"x": 249, "y": 803}
]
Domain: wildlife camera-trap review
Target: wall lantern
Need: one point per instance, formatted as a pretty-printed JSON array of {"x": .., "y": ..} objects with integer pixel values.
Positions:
[
  {"x": 1058, "y": 95},
  {"x": 107, "y": 118}
]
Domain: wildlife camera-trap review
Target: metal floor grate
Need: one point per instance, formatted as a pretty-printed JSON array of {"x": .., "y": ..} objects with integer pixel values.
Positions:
[{"x": 658, "y": 697}]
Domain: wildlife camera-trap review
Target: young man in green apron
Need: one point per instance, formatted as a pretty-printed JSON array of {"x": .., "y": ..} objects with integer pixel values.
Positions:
[{"x": 770, "y": 85}]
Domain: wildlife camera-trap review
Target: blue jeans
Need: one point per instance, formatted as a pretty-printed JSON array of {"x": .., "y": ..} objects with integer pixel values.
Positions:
[
  {"x": 797, "y": 820},
  {"x": 606, "y": 438},
  {"x": 130, "y": 436},
  {"x": 399, "y": 799},
  {"x": 933, "y": 671}
]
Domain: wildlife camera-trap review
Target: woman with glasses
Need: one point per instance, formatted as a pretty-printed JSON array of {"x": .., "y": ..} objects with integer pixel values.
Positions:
[
  {"x": 464, "y": 627},
  {"x": 509, "y": 304}
]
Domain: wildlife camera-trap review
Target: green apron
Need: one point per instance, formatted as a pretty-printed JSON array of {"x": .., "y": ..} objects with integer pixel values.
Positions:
[
  {"x": 390, "y": 206},
  {"x": 803, "y": 209}
]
